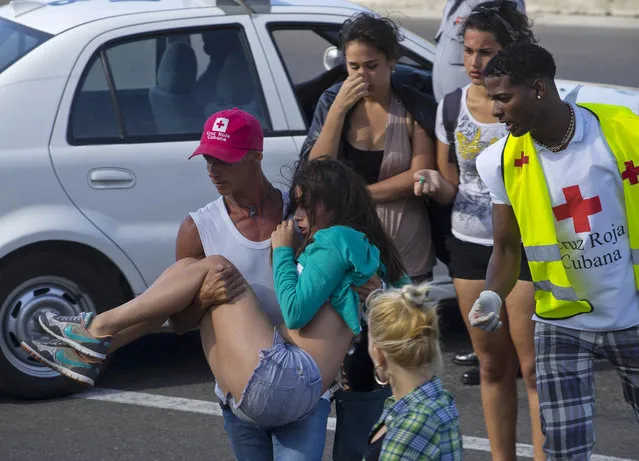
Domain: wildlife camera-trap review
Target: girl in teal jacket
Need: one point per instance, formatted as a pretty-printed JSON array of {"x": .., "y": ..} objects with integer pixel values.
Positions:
[{"x": 341, "y": 248}]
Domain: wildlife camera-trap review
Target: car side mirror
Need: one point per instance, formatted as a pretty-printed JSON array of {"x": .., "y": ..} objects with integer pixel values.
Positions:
[{"x": 332, "y": 58}]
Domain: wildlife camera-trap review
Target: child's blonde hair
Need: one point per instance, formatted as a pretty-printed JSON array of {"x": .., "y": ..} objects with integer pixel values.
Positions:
[{"x": 403, "y": 323}]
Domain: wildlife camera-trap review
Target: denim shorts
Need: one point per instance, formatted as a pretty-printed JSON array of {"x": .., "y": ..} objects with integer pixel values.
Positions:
[{"x": 284, "y": 387}]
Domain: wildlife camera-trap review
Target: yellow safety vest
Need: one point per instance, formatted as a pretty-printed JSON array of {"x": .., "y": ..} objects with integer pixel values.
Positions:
[{"x": 528, "y": 193}]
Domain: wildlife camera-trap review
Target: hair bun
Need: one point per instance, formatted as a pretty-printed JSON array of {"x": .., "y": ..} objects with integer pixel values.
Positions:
[{"x": 415, "y": 296}]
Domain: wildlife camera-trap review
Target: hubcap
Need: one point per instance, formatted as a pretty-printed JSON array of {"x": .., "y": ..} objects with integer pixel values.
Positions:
[{"x": 19, "y": 317}]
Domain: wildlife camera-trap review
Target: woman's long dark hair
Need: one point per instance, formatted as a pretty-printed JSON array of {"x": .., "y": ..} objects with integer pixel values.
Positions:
[{"x": 346, "y": 198}]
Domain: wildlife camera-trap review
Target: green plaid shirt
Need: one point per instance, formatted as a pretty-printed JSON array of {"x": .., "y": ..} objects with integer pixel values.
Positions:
[{"x": 424, "y": 425}]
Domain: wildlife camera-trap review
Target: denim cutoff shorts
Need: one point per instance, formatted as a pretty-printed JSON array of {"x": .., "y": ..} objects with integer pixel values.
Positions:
[{"x": 284, "y": 387}]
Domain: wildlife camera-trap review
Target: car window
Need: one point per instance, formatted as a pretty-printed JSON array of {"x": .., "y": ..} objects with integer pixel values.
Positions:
[
  {"x": 16, "y": 41},
  {"x": 306, "y": 62},
  {"x": 164, "y": 87},
  {"x": 301, "y": 48},
  {"x": 409, "y": 61},
  {"x": 302, "y": 63}
]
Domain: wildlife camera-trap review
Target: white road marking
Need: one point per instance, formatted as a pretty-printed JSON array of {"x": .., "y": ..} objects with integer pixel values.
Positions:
[{"x": 207, "y": 407}]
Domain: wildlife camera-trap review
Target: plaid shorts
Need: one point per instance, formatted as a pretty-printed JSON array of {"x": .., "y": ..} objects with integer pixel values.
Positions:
[{"x": 565, "y": 383}]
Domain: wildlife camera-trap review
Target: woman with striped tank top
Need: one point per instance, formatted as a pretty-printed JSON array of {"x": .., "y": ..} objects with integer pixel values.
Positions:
[{"x": 490, "y": 27}]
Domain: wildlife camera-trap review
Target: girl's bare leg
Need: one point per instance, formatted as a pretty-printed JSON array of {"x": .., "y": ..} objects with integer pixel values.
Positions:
[
  {"x": 166, "y": 297},
  {"x": 498, "y": 369},
  {"x": 232, "y": 335},
  {"x": 520, "y": 305},
  {"x": 242, "y": 327},
  {"x": 130, "y": 334}
]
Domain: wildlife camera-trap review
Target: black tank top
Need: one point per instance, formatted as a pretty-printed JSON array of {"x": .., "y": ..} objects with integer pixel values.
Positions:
[{"x": 366, "y": 163}]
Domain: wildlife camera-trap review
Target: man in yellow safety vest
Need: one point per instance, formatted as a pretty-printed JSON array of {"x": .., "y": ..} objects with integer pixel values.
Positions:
[{"x": 565, "y": 181}]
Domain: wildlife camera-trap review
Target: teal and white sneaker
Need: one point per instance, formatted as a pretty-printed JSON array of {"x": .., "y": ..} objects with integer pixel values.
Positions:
[
  {"x": 63, "y": 359},
  {"x": 73, "y": 331}
]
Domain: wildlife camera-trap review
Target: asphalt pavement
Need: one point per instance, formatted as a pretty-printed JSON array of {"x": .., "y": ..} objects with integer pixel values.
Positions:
[{"x": 156, "y": 402}]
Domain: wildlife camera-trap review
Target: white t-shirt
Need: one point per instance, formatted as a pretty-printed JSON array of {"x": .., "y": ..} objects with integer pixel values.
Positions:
[
  {"x": 472, "y": 216},
  {"x": 594, "y": 246}
]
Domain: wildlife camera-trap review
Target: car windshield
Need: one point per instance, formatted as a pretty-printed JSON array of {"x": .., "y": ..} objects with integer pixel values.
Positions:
[{"x": 16, "y": 41}]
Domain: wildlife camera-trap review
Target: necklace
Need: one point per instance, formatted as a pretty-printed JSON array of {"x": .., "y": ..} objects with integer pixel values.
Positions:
[
  {"x": 252, "y": 210},
  {"x": 567, "y": 137}
]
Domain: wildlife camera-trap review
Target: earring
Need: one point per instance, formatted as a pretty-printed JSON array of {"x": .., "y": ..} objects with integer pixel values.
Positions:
[
  {"x": 538, "y": 97},
  {"x": 377, "y": 380}
]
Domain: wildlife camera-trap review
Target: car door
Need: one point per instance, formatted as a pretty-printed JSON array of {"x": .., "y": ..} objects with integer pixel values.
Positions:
[{"x": 133, "y": 112}]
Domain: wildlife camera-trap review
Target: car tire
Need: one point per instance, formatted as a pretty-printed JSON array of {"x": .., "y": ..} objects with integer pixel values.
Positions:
[{"x": 66, "y": 281}]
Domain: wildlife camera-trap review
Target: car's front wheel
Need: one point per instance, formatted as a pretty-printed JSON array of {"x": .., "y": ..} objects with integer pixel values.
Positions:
[{"x": 58, "y": 281}]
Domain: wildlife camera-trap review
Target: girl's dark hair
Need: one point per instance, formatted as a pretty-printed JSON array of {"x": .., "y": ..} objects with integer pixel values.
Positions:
[
  {"x": 349, "y": 203},
  {"x": 503, "y": 20},
  {"x": 377, "y": 32}
]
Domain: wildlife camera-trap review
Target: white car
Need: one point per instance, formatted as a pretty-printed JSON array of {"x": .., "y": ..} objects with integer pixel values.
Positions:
[{"x": 101, "y": 101}]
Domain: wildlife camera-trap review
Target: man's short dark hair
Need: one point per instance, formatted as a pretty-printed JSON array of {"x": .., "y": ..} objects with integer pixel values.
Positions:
[{"x": 522, "y": 62}]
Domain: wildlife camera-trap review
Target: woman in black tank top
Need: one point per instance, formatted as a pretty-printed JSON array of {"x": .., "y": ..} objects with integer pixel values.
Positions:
[
  {"x": 367, "y": 163},
  {"x": 354, "y": 130}
]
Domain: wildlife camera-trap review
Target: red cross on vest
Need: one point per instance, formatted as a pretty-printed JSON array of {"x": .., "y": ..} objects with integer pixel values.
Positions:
[
  {"x": 520, "y": 162},
  {"x": 577, "y": 208},
  {"x": 631, "y": 173}
]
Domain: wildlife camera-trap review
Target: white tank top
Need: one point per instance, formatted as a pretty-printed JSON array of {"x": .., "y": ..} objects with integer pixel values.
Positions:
[{"x": 219, "y": 236}]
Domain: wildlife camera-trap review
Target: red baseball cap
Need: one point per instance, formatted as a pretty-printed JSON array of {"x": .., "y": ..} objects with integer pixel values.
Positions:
[{"x": 229, "y": 134}]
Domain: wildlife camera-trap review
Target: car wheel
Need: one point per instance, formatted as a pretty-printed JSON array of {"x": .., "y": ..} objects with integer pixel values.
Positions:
[{"x": 46, "y": 281}]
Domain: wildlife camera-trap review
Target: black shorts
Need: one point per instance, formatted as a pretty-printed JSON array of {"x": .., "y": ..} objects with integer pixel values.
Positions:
[{"x": 469, "y": 261}]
